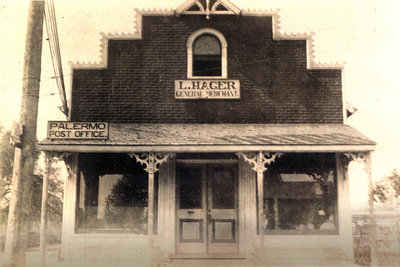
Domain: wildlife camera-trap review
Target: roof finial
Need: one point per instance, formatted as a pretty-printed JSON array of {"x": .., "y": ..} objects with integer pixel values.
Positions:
[{"x": 207, "y": 9}]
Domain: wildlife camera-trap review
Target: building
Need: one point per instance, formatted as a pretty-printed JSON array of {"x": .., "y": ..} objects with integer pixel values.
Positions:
[{"x": 174, "y": 142}]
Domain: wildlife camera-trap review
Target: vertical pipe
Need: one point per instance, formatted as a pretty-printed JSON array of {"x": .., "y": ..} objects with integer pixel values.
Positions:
[{"x": 43, "y": 218}]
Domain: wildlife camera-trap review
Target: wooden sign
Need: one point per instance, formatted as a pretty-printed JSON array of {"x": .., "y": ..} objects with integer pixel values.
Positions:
[
  {"x": 77, "y": 130},
  {"x": 207, "y": 89}
]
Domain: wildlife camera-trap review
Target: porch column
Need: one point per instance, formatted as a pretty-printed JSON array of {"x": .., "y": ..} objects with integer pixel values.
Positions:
[
  {"x": 365, "y": 159},
  {"x": 43, "y": 217},
  {"x": 258, "y": 162},
  {"x": 151, "y": 163},
  {"x": 64, "y": 156}
]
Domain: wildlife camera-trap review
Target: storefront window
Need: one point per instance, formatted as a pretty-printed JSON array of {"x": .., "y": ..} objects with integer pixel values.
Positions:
[
  {"x": 112, "y": 194},
  {"x": 300, "y": 195}
]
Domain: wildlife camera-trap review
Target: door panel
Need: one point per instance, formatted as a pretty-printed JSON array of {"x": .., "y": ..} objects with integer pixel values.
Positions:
[
  {"x": 207, "y": 217},
  {"x": 222, "y": 209},
  {"x": 191, "y": 209}
]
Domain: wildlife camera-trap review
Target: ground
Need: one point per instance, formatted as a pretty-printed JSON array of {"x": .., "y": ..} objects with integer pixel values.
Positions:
[{"x": 52, "y": 260}]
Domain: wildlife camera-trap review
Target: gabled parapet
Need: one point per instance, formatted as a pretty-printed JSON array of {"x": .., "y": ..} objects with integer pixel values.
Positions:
[
  {"x": 278, "y": 34},
  {"x": 280, "y": 82}
]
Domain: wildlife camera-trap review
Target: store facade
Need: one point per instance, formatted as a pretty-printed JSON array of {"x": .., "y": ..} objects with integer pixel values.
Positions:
[{"x": 207, "y": 136}]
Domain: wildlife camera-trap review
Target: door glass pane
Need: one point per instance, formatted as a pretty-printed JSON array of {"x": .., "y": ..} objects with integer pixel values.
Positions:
[
  {"x": 223, "y": 188},
  {"x": 190, "y": 187}
]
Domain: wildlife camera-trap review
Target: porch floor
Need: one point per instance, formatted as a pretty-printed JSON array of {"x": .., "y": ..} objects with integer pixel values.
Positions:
[{"x": 53, "y": 260}]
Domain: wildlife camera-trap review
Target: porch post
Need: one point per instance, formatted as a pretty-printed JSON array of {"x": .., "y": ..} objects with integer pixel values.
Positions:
[
  {"x": 150, "y": 197},
  {"x": 151, "y": 163},
  {"x": 258, "y": 162},
  {"x": 368, "y": 170},
  {"x": 43, "y": 217},
  {"x": 365, "y": 159},
  {"x": 260, "y": 192}
]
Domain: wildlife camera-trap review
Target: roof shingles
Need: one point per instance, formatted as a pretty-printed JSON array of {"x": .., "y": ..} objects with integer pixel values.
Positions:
[{"x": 225, "y": 134}]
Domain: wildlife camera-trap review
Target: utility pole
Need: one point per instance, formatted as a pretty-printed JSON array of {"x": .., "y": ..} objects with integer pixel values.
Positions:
[{"x": 24, "y": 159}]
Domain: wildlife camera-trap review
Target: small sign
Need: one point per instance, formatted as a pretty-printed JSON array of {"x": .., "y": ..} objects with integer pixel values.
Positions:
[
  {"x": 77, "y": 130},
  {"x": 207, "y": 89}
]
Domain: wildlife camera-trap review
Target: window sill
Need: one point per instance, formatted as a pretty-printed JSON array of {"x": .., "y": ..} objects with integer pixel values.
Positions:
[
  {"x": 108, "y": 231},
  {"x": 207, "y": 77},
  {"x": 301, "y": 232}
]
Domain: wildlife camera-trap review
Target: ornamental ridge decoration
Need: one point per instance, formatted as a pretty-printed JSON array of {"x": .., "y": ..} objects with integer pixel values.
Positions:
[
  {"x": 151, "y": 161},
  {"x": 259, "y": 160},
  {"x": 207, "y": 8}
]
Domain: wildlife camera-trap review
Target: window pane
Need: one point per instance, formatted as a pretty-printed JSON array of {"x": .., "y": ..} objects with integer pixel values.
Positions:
[
  {"x": 300, "y": 194},
  {"x": 126, "y": 204},
  {"x": 190, "y": 186},
  {"x": 207, "y": 45},
  {"x": 223, "y": 189},
  {"x": 112, "y": 194},
  {"x": 207, "y": 66},
  {"x": 207, "y": 56}
]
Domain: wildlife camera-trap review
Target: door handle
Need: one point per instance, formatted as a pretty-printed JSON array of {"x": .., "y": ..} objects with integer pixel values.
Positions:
[
  {"x": 190, "y": 211},
  {"x": 209, "y": 218}
]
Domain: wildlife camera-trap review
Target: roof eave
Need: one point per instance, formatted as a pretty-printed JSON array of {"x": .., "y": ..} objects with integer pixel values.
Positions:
[{"x": 121, "y": 148}]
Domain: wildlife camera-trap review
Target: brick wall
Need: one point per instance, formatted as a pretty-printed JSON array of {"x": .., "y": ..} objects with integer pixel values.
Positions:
[{"x": 138, "y": 84}]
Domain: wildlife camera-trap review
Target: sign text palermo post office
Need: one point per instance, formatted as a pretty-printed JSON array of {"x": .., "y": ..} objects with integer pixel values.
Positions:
[
  {"x": 77, "y": 130},
  {"x": 207, "y": 89}
]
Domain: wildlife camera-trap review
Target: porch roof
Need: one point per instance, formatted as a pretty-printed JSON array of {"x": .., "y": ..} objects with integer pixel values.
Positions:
[{"x": 220, "y": 138}]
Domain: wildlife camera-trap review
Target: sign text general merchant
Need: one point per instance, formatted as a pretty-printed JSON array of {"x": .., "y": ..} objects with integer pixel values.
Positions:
[{"x": 214, "y": 89}]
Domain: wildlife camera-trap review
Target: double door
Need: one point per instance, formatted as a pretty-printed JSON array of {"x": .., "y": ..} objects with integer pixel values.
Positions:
[{"x": 207, "y": 209}]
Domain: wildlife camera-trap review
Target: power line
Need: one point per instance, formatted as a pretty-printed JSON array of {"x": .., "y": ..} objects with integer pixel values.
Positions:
[{"x": 52, "y": 33}]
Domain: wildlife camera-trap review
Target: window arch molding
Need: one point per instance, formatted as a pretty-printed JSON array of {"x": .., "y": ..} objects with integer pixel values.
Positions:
[{"x": 224, "y": 56}]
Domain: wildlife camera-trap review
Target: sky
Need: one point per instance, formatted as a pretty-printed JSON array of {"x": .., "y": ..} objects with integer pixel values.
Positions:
[{"x": 360, "y": 34}]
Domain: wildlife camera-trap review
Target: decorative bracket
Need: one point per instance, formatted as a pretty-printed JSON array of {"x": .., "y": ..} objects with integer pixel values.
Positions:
[
  {"x": 67, "y": 157},
  {"x": 151, "y": 161},
  {"x": 259, "y": 160},
  {"x": 361, "y": 157}
]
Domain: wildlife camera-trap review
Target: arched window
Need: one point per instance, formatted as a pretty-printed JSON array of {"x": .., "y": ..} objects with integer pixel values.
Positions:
[{"x": 207, "y": 56}]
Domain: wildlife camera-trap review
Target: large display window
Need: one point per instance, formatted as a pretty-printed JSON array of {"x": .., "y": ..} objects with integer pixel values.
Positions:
[
  {"x": 300, "y": 194},
  {"x": 112, "y": 195}
]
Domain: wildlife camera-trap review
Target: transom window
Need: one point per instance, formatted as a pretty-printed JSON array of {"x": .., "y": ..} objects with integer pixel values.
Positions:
[{"x": 207, "y": 56}]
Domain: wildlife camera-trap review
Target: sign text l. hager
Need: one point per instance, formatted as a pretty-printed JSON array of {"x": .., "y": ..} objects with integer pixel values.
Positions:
[
  {"x": 207, "y": 89},
  {"x": 77, "y": 130}
]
